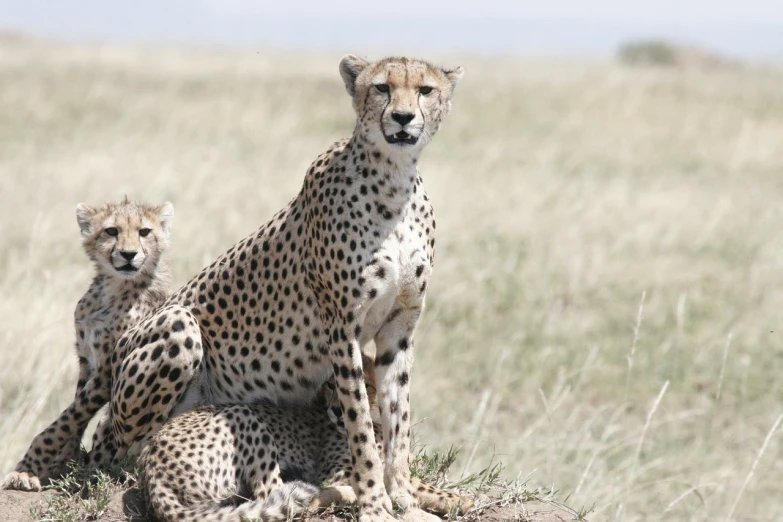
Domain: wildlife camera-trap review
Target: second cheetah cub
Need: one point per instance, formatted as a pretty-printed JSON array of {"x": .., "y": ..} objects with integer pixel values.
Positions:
[{"x": 125, "y": 242}]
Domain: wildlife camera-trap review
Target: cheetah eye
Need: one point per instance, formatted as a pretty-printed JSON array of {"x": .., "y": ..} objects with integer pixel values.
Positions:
[
  {"x": 425, "y": 89},
  {"x": 382, "y": 87},
  {"x": 144, "y": 232},
  {"x": 112, "y": 231}
]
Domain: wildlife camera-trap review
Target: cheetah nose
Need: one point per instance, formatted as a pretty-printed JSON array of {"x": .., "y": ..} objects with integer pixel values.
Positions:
[
  {"x": 128, "y": 254},
  {"x": 403, "y": 118}
]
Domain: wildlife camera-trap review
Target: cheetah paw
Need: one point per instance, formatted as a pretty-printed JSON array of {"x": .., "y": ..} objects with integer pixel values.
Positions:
[
  {"x": 379, "y": 513},
  {"x": 22, "y": 480},
  {"x": 417, "y": 515},
  {"x": 333, "y": 496}
]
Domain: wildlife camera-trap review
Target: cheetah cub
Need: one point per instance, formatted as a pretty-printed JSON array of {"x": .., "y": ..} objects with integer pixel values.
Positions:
[
  {"x": 201, "y": 464},
  {"x": 125, "y": 242}
]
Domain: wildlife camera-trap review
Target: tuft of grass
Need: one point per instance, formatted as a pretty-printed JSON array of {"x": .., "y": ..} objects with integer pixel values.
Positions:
[
  {"x": 82, "y": 495},
  {"x": 488, "y": 485},
  {"x": 483, "y": 480},
  {"x": 433, "y": 467}
]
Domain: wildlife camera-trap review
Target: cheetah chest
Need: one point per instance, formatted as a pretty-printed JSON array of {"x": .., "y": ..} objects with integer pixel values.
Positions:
[
  {"x": 396, "y": 280},
  {"x": 92, "y": 335}
]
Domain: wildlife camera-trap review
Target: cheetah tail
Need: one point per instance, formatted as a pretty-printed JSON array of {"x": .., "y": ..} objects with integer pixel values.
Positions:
[
  {"x": 282, "y": 504},
  {"x": 288, "y": 500}
]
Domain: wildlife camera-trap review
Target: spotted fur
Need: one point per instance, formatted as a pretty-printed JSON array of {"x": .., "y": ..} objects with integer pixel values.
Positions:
[
  {"x": 125, "y": 242},
  {"x": 203, "y": 463},
  {"x": 347, "y": 261}
]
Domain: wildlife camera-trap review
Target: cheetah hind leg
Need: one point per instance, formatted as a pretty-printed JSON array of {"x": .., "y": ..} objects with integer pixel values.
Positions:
[
  {"x": 439, "y": 501},
  {"x": 163, "y": 356}
]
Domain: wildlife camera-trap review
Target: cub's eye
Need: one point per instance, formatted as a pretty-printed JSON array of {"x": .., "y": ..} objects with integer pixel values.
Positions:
[
  {"x": 424, "y": 89},
  {"x": 144, "y": 232},
  {"x": 382, "y": 87},
  {"x": 112, "y": 231}
]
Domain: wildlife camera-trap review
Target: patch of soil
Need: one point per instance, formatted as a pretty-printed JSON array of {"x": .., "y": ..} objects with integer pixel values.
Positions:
[{"x": 15, "y": 505}]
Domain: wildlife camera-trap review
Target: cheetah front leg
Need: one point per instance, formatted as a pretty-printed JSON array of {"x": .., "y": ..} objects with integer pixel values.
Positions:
[
  {"x": 60, "y": 442},
  {"x": 72, "y": 446},
  {"x": 72, "y": 441},
  {"x": 374, "y": 502},
  {"x": 393, "y": 365}
]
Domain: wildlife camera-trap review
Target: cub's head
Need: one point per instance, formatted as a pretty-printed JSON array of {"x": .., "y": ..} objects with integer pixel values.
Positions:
[
  {"x": 399, "y": 102},
  {"x": 125, "y": 239}
]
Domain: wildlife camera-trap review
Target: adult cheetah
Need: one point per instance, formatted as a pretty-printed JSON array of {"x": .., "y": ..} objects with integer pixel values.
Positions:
[
  {"x": 347, "y": 261},
  {"x": 125, "y": 242},
  {"x": 203, "y": 462}
]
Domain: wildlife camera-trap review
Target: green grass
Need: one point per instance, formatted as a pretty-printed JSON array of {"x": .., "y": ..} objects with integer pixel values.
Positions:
[
  {"x": 563, "y": 190},
  {"x": 81, "y": 495}
]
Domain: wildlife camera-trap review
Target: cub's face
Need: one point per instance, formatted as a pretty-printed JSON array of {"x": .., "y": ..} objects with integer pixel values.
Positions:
[
  {"x": 125, "y": 239},
  {"x": 400, "y": 102}
]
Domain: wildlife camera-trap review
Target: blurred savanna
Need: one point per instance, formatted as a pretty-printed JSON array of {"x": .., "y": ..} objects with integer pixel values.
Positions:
[{"x": 605, "y": 312}]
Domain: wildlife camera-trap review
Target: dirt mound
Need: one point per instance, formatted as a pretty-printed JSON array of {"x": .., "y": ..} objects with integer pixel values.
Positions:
[{"x": 17, "y": 506}]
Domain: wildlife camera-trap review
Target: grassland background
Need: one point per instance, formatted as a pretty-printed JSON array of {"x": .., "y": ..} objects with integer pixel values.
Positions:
[{"x": 563, "y": 190}]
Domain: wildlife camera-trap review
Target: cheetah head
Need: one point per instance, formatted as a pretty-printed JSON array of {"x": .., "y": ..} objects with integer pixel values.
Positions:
[
  {"x": 399, "y": 102},
  {"x": 125, "y": 239}
]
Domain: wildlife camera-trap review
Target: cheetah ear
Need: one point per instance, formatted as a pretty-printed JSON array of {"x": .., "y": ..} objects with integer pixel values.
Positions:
[
  {"x": 84, "y": 216},
  {"x": 454, "y": 75},
  {"x": 166, "y": 212},
  {"x": 351, "y": 67}
]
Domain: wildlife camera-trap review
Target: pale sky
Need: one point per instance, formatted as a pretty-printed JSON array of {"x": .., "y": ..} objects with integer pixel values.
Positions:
[
  {"x": 696, "y": 12},
  {"x": 751, "y": 28}
]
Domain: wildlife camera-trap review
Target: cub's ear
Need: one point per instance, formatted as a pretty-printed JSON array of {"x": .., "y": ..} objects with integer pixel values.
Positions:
[
  {"x": 84, "y": 216},
  {"x": 454, "y": 75},
  {"x": 166, "y": 212},
  {"x": 351, "y": 67}
]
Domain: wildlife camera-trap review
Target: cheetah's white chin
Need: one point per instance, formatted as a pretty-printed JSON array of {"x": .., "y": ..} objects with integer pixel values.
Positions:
[{"x": 401, "y": 138}]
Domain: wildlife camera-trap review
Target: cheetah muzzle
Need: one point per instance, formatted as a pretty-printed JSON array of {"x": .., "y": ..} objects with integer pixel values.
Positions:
[{"x": 402, "y": 138}]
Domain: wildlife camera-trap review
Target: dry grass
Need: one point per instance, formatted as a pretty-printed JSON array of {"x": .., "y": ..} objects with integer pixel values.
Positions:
[{"x": 564, "y": 191}]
